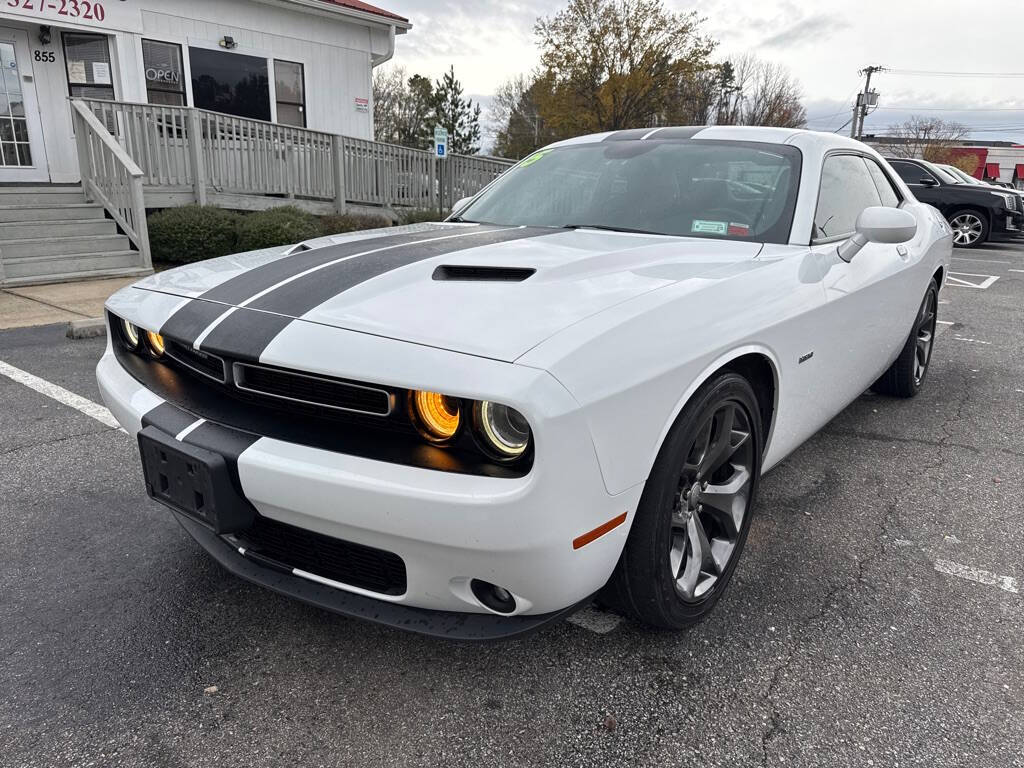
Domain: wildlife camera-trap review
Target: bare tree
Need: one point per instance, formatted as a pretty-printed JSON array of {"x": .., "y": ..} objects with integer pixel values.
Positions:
[
  {"x": 760, "y": 93},
  {"x": 928, "y": 138},
  {"x": 516, "y": 109},
  {"x": 402, "y": 107}
]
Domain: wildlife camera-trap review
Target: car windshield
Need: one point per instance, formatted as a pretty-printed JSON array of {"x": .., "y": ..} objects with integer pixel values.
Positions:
[
  {"x": 944, "y": 176},
  {"x": 711, "y": 189}
]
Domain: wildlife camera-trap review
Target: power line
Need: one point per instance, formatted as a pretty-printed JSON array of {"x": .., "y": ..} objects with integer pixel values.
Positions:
[{"x": 929, "y": 73}]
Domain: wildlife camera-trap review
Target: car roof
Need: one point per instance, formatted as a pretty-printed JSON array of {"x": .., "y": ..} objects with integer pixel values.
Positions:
[{"x": 766, "y": 134}]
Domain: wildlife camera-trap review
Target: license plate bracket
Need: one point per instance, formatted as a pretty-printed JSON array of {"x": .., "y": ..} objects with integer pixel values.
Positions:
[{"x": 192, "y": 480}]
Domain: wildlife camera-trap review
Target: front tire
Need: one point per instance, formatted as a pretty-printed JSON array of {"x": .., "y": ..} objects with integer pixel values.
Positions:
[
  {"x": 905, "y": 376},
  {"x": 970, "y": 229},
  {"x": 694, "y": 514}
]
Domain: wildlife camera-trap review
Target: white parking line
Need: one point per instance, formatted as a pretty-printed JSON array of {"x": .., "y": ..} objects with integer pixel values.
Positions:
[
  {"x": 973, "y": 341},
  {"x": 61, "y": 395},
  {"x": 1015, "y": 270},
  {"x": 600, "y": 622},
  {"x": 948, "y": 567},
  {"x": 960, "y": 282},
  {"x": 986, "y": 261}
]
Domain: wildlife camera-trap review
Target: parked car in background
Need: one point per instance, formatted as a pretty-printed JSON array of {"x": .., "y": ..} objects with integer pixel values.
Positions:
[{"x": 977, "y": 213}]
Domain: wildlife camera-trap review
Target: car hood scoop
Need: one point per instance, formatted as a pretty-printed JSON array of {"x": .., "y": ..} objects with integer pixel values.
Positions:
[
  {"x": 480, "y": 273},
  {"x": 496, "y": 300}
]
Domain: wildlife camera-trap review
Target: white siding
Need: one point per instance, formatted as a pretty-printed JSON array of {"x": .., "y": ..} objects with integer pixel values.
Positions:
[{"x": 336, "y": 54}]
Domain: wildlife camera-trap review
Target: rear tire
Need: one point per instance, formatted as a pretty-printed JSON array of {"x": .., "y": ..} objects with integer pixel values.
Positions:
[
  {"x": 970, "y": 228},
  {"x": 905, "y": 376},
  {"x": 694, "y": 513}
]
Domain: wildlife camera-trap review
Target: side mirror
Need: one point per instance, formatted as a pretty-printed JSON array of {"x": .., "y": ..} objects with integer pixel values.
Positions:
[
  {"x": 879, "y": 224},
  {"x": 927, "y": 181},
  {"x": 460, "y": 204}
]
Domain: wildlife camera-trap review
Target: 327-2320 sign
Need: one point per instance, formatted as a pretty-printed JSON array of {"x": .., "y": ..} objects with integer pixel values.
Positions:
[{"x": 72, "y": 9}]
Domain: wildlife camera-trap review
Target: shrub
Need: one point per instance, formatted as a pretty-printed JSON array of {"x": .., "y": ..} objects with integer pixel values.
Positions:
[
  {"x": 418, "y": 215},
  {"x": 192, "y": 233},
  {"x": 337, "y": 223},
  {"x": 276, "y": 226}
]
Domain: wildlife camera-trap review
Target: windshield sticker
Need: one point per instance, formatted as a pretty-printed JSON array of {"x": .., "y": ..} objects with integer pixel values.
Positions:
[
  {"x": 533, "y": 158},
  {"x": 740, "y": 230},
  {"x": 709, "y": 227}
]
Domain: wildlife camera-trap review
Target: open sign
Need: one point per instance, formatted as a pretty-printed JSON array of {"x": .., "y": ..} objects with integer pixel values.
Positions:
[{"x": 155, "y": 75}]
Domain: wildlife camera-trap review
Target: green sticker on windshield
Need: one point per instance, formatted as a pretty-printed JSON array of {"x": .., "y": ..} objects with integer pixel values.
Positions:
[
  {"x": 709, "y": 227},
  {"x": 533, "y": 158}
]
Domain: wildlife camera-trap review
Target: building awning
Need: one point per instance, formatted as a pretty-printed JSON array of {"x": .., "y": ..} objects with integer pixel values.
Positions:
[
  {"x": 992, "y": 170},
  {"x": 1019, "y": 171}
]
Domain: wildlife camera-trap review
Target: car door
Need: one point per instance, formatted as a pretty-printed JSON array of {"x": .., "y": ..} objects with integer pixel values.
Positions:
[
  {"x": 921, "y": 181},
  {"x": 868, "y": 312}
]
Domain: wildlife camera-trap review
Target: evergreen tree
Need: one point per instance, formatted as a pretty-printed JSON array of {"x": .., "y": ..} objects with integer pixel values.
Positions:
[{"x": 456, "y": 113}]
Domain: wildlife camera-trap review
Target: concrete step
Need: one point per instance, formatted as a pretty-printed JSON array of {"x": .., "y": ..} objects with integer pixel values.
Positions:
[
  {"x": 38, "y": 188},
  {"x": 24, "y": 271},
  {"x": 76, "y": 212},
  {"x": 15, "y": 196},
  {"x": 61, "y": 246},
  {"x": 28, "y": 230}
]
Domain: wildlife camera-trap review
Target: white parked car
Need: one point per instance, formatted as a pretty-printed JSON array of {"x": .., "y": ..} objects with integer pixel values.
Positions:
[{"x": 571, "y": 387}]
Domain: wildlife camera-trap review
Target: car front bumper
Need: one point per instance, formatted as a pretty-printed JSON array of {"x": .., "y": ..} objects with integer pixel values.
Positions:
[{"x": 447, "y": 528}]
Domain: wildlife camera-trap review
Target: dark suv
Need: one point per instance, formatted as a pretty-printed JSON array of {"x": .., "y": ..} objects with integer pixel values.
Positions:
[{"x": 976, "y": 213}]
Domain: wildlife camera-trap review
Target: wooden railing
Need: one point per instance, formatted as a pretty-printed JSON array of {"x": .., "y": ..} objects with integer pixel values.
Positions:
[
  {"x": 111, "y": 178},
  {"x": 240, "y": 156}
]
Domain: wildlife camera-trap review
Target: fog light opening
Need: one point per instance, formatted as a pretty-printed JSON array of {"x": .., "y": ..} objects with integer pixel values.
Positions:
[{"x": 497, "y": 599}]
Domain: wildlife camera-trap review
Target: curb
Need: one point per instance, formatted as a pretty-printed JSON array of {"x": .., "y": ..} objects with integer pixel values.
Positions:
[{"x": 87, "y": 329}]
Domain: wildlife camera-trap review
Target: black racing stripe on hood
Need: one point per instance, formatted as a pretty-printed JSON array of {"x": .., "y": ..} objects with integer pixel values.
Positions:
[
  {"x": 245, "y": 333},
  {"x": 248, "y": 284},
  {"x": 192, "y": 319},
  {"x": 300, "y": 296},
  {"x": 630, "y": 134}
]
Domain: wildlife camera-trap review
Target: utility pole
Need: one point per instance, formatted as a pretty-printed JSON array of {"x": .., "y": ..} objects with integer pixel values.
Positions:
[{"x": 864, "y": 100}]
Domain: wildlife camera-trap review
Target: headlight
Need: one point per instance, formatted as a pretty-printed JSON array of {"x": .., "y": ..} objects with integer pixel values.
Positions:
[
  {"x": 503, "y": 430},
  {"x": 130, "y": 332},
  {"x": 1008, "y": 199},
  {"x": 156, "y": 343},
  {"x": 437, "y": 416}
]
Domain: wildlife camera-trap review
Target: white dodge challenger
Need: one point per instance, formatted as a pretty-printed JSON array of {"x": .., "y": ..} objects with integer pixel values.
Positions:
[{"x": 570, "y": 388}]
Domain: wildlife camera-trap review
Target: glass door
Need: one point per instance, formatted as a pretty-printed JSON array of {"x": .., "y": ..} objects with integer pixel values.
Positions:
[{"x": 22, "y": 156}]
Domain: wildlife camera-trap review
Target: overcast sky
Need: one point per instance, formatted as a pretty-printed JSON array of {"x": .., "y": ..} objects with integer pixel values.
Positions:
[{"x": 823, "y": 44}]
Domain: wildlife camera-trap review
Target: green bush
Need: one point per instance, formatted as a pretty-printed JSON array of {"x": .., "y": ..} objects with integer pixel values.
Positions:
[
  {"x": 192, "y": 233},
  {"x": 418, "y": 215},
  {"x": 337, "y": 223},
  {"x": 276, "y": 226}
]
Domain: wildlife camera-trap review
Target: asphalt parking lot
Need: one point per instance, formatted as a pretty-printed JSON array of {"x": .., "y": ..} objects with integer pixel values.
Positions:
[{"x": 876, "y": 618}]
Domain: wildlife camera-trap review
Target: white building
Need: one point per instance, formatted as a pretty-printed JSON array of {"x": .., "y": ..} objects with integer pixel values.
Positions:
[{"x": 296, "y": 62}]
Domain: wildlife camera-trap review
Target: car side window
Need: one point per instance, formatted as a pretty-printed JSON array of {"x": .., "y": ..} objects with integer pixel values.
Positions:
[
  {"x": 846, "y": 190},
  {"x": 911, "y": 173},
  {"x": 890, "y": 197}
]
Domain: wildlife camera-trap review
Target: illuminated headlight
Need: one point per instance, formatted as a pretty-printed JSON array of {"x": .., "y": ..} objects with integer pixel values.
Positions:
[
  {"x": 156, "y": 343},
  {"x": 438, "y": 417},
  {"x": 502, "y": 430},
  {"x": 130, "y": 332}
]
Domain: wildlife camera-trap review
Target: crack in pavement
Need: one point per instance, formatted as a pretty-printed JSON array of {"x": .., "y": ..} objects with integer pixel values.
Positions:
[{"x": 28, "y": 446}]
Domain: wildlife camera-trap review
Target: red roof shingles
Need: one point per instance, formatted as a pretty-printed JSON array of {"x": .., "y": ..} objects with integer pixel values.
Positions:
[{"x": 358, "y": 5}]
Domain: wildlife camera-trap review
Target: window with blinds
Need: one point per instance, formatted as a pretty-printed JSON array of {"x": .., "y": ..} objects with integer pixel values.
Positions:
[
  {"x": 165, "y": 75},
  {"x": 90, "y": 74}
]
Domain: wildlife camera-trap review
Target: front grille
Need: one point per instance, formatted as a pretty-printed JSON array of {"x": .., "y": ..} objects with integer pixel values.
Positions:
[
  {"x": 201, "y": 362},
  {"x": 352, "y": 564},
  {"x": 314, "y": 390}
]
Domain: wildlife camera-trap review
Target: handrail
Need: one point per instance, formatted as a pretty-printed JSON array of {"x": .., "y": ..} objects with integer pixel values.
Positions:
[
  {"x": 111, "y": 177},
  {"x": 198, "y": 153}
]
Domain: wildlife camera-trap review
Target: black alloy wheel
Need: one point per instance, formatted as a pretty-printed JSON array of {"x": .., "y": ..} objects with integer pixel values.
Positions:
[
  {"x": 907, "y": 374},
  {"x": 694, "y": 514}
]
